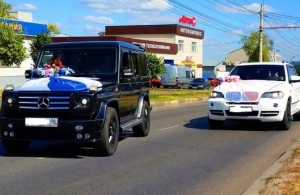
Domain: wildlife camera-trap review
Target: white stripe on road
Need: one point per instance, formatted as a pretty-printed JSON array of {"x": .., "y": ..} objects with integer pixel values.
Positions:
[{"x": 168, "y": 128}]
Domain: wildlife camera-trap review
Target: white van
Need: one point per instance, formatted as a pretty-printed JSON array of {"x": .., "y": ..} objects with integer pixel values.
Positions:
[{"x": 177, "y": 76}]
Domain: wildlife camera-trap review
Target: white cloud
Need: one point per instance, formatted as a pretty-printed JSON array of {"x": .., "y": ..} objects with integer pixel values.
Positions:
[
  {"x": 99, "y": 20},
  {"x": 26, "y": 6},
  {"x": 121, "y": 6},
  {"x": 92, "y": 30}
]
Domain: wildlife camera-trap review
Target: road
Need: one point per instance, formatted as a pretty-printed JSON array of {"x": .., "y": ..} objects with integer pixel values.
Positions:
[{"x": 181, "y": 155}]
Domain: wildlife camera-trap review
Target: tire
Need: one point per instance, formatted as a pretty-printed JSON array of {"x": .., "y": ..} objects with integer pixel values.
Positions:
[
  {"x": 215, "y": 124},
  {"x": 109, "y": 135},
  {"x": 142, "y": 130},
  {"x": 15, "y": 146},
  {"x": 285, "y": 124}
]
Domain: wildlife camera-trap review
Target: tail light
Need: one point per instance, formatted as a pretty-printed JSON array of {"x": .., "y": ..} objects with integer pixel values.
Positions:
[{"x": 176, "y": 80}]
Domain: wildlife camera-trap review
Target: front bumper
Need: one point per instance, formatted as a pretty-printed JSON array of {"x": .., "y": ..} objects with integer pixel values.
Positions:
[
  {"x": 65, "y": 131},
  {"x": 266, "y": 110}
]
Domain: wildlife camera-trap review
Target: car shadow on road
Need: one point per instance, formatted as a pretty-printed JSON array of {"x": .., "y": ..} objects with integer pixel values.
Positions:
[
  {"x": 201, "y": 123},
  {"x": 43, "y": 149}
]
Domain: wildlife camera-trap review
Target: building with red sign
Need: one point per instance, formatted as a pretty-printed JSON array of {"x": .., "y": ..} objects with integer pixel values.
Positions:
[{"x": 178, "y": 45}]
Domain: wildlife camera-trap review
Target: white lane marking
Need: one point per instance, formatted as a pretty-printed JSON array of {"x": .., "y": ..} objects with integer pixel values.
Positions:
[{"x": 168, "y": 128}]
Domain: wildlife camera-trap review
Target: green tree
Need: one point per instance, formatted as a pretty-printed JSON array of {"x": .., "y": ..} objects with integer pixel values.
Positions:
[
  {"x": 297, "y": 69},
  {"x": 4, "y": 10},
  {"x": 53, "y": 28},
  {"x": 251, "y": 47},
  {"x": 37, "y": 42},
  {"x": 155, "y": 65},
  {"x": 12, "y": 50}
]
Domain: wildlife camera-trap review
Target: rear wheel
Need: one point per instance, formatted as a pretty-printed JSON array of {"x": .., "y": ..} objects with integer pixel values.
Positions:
[
  {"x": 285, "y": 124},
  {"x": 109, "y": 135},
  {"x": 215, "y": 124},
  {"x": 15, "y": 146},
  {"x": 142, "y": 130}
]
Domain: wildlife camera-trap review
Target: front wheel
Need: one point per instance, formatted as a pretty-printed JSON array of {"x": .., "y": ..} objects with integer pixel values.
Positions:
[
  {"x": 285, "y": 124},
  {"x": 15, "y": 146},
  {"x": 215, "y": 124},
  {"x": 142, "y": 129},
  {"x": 109, "y": 135}
]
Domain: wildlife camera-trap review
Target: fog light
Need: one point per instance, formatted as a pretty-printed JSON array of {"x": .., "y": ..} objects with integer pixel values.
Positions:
[
  {"x": 78, "y": 127},
  {"x": 79, "y": 136},
  {"x": 12, "y": 134},
  {"x": 275, "y": 105},
  {"x": 87, "y": 136},
  {"x": 10, "y": 125},
  {"x": 5, "y": 133}
]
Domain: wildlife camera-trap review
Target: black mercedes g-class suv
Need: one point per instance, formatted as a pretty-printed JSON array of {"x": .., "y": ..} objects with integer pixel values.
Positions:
[{"x": 82, "y": 92}]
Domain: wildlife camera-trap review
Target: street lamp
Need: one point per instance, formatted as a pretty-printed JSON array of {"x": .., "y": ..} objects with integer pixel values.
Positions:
[{"x": 291, "y": 59}]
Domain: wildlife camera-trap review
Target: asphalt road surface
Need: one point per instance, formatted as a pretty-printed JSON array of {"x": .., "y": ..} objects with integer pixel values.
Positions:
[{"x": 181, "y": 155}]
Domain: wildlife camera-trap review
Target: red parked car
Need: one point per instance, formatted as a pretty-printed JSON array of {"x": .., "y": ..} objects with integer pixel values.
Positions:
[
  {"x": 213, "y": 82},
  {"x": 155, "y": 83}
]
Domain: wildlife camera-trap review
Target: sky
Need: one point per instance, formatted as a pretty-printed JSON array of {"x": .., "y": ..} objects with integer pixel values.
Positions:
[{"x": 224, "y": 22}]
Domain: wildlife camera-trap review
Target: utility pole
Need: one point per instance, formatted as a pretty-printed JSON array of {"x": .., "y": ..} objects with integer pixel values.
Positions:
[{"x": 261, "y": 32}]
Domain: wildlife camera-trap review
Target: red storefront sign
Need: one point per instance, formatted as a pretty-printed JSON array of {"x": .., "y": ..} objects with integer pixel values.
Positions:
[{"x": 188, "y": 20}]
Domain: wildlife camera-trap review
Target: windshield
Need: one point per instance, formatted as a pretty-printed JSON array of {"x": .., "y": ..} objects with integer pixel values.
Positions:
[
  {"x": 259, "y": 72},
  {"x": 199, "y": 80},
  {"x": 64, "y": 62}
]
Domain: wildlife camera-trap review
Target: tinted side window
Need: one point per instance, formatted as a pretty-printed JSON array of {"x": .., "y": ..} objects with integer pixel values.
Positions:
[
  {"x": 134, "y": 60},
  {"x": 291, "y": 71},
  {"x": 142, "y": 64}
]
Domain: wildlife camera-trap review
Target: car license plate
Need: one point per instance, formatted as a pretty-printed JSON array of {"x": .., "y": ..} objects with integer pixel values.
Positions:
[
  {"x": 240, "y": 109},
  {"x": 41, "y": 122},
  {"x": 194, "y": 87}
]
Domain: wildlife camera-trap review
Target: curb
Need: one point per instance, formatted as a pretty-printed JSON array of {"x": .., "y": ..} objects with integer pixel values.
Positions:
[{"x": 259, "y": 183}]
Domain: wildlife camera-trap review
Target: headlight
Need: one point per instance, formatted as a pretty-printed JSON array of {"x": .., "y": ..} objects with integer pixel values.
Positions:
[
  {"x": 84, "y": 101},
  {"x": 273, "y": 95},
  {"x": 215, "y": 94},
  {"x": 10, "y": 101},
  {"x": 93, "y": 88}
]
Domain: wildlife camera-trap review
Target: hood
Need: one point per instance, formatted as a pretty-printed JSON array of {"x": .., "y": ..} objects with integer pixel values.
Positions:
[
  {"x": 62, "y": 83},
  {"x": 247, "y": 90}
]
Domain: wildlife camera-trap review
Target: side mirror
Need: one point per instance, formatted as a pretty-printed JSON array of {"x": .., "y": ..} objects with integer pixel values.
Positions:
[
  {"x": 28, "y": 74},
  {"x": 127, "y": 73},
  {"x": 295, "y": 79}
]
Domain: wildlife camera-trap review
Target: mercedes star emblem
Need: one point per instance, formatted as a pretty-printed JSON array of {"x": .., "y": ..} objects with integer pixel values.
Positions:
[{"x": 43, "y": 103}]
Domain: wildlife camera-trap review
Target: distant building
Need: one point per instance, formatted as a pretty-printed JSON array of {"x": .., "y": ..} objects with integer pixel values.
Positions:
[{"x": 238, "y": 56}]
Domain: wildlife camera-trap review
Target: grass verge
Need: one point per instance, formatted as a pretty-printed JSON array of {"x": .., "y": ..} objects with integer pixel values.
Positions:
[{"x": 157, "y": 94}]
